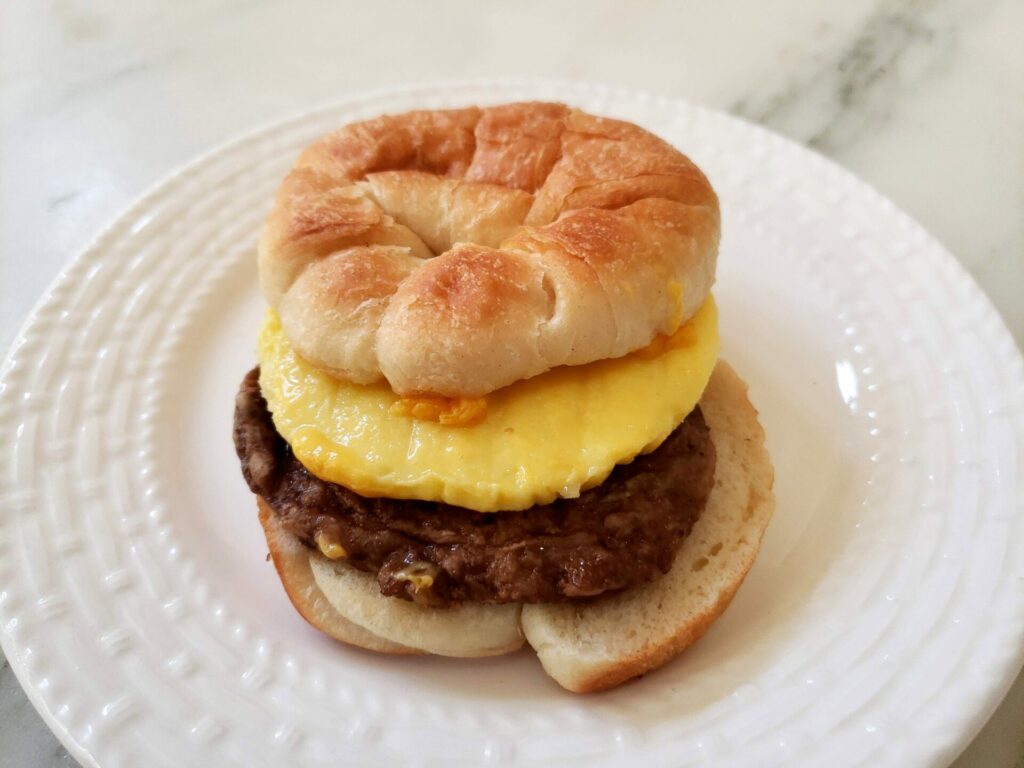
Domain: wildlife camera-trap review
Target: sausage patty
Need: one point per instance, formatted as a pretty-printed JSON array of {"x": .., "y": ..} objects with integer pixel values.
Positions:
[{"x": 621, "y": 533}]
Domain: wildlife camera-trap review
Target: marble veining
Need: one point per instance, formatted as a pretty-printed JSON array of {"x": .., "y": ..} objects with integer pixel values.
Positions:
[
  {"x": 99, "y": 100},
  {"x": 853, "y": 91}
]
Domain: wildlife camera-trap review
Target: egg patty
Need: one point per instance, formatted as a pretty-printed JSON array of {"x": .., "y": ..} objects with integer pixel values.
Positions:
[{"x": 551, "y": 436}]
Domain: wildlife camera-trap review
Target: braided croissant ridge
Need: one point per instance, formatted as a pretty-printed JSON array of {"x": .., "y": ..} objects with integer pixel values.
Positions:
[{"x": 454, "y": 252}]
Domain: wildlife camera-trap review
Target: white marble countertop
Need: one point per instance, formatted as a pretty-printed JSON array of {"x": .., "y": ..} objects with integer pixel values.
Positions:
[{"x": 100, "y": 99}]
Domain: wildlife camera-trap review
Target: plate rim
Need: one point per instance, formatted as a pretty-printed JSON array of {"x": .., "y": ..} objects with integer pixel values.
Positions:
[{"x": 998, "y": 333}]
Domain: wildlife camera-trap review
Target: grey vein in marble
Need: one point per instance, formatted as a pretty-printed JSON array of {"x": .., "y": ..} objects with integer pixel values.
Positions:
[{"x": 859, "y": 87}]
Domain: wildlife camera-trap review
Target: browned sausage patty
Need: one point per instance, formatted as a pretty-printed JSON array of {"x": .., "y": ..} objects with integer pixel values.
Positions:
[{"x": 624, "y": 532}]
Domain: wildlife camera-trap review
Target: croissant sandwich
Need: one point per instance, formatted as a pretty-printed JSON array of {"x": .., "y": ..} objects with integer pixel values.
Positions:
[{"x": 489, "y": 407}]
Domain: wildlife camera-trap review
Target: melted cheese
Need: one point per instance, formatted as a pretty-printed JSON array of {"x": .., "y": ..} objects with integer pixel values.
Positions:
[
  {"x": 553, "y": 435},
  {"x": 450, "y": 411}
]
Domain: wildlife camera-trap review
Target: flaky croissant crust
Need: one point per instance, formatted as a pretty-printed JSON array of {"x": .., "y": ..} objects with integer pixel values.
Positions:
[{"x": 453, "y": 252}]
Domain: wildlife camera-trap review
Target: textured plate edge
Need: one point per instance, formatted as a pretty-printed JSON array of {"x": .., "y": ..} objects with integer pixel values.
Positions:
[{"x": 1012, "y": 662}]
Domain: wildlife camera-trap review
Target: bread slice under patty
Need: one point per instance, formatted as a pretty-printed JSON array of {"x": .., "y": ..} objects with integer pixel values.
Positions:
[{"x": 583, "y": 647}]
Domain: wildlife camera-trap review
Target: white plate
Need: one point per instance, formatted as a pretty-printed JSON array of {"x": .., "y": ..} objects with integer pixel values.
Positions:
[{"x": 880, "y": 626}]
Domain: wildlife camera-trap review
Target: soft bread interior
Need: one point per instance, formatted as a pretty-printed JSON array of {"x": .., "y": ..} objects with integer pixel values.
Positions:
[
  {"x": 584, "y": 648},
  {"x": 292, "y": 561},
  {"x": 347, "y": 605},
  {"x": 471, "y": 629},
  {"x": 601, "y": 645}
]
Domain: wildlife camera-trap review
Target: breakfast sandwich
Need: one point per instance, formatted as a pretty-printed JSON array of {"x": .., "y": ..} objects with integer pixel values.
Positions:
[{"x": 488, "y": 407}]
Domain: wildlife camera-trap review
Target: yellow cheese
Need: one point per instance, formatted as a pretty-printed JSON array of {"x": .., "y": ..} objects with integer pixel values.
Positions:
[
  {"x": 450, "y": 411},
  {"x": 553, "y": 435}
]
